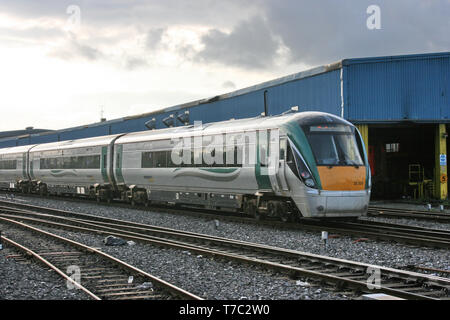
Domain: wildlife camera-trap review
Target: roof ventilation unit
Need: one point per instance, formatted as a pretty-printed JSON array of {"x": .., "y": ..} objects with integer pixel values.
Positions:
[
  {"x": 184, "y": 117},
  {"x": 291, "y": 110},
  {"x": 169, "y": 121},
  {"x": 151, "y": 124}
]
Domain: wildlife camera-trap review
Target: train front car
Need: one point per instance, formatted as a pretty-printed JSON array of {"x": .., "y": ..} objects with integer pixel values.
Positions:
[{"x": 327, "y": 154}]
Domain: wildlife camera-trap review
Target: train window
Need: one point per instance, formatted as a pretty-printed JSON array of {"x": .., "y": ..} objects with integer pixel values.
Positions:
[
  {"x": 238, "y": 156},
  {"x": 81, "y": 162},
  {"x": 177, "y": 154},
  {"x": 147, "y": 160},
  {"x": 67, "y": 163},
  {"x": 218, "y": 156},
  {"x": 290, "y": 161},
  {"x": 229, "y": 156},
  {"x": 263, "y": 147},
  {"x": 95, "y": 162},
  {"x": 282, "y": 148},
  {"x": 160, "y": 160},
  {"x": 197, "y": 158},
  {"x": 206, "y": 154},
  {"x": 8, "y": 164},
  {"x": 170, "y": 163},
  {"x": 104, "y": 160}
]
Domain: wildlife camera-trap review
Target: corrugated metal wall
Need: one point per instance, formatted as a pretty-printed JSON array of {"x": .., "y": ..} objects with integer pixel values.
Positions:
[
  {"x": 400, "y": 88},
  {"x": 379, "y": 89}
]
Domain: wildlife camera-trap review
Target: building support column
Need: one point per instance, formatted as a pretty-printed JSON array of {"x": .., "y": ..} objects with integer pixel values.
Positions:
[
  {"x": 364, "y": 130},
  {"x": 440, "y": 176}
]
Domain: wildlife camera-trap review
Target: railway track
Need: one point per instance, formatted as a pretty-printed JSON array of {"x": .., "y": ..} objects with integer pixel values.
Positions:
[
  {"x": 361, "y": 228},
  {"x": 338, "y": 272},
  {"x": 98, "y": 275},
  {"x": 405, "y": 213}
]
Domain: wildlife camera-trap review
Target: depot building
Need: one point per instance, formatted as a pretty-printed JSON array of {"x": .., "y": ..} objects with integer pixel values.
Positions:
[{"x": 401, "y": 105}]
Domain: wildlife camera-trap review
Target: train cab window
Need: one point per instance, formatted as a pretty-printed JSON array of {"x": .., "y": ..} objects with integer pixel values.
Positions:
[{"x": 333, "y": 145}]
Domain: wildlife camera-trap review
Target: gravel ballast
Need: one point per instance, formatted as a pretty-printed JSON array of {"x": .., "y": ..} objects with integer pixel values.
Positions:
[
  {"x": 204, "y": 276},
  {"x": 31, "y": 281},
  {"x": 217, "y": 279}
]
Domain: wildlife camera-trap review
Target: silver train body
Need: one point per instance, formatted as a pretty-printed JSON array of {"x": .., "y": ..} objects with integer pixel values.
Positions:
[{"x": 277, "y": 166}]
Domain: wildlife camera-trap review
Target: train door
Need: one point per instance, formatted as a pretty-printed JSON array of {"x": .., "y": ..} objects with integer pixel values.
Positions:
[
  {"x": 275, "y": 165},
  {"x": 281, "y": 175}
]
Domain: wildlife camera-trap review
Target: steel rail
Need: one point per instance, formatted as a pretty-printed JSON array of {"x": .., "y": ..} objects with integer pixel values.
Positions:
[
  {"x": 363, "y": 228},
  {"x": 35, "y": 255},
  {"x": 121, "y": 264},
  {"x": 407, "y": 213},
  {"x": 274, "y": 257}
]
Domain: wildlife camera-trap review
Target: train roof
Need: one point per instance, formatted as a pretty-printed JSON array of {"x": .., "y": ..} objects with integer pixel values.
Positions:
[
  {"x": 230, "y": 126},
  {"x": 79, "y": 143},
  {"x": 238, "y": 125},
  {"x": 234, "y": 125},
  {"x": 14, "y": 150}
]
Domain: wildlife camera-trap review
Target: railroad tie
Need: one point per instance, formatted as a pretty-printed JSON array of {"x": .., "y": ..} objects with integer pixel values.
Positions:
[{"x": 117, "y": 294}]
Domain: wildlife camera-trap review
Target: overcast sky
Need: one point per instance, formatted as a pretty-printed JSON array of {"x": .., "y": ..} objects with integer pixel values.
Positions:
[{"x": 61, "y": 62}]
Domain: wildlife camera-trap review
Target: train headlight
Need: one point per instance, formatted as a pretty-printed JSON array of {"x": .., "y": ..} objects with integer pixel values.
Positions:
[
  {"x": 310, "y": 183},
  {"x": 305, "y": 175}
]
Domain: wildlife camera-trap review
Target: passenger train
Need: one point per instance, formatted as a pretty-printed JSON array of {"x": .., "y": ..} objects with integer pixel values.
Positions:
[{"x": 306, "y": 164}]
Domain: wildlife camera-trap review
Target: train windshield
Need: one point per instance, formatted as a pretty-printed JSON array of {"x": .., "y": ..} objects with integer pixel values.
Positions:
[{"x": 334, "y": 145}]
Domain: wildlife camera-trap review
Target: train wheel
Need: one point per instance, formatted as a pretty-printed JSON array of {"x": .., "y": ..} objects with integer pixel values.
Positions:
[
  {"x": 272, "y": 209},
  {"x": 285, "y": 215},
  {"x": 251, "y": 210},
  {"x": 43, "y": 191}
]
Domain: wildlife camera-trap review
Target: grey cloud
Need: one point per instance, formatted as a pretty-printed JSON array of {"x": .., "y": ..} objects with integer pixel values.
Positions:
[
  {"x": 315, "y": 32},
  {"x": 149, "y": 13},
  {"x": 32, "y": 33},
  {"x": 133, "y": 63},
  {"x": 74, "y": 49},
  {"x": 228, "y": 85},
  {"x": 153, "y": 38},
  {"x": 251, "y": 44},
  {"x": 321, "y": 32}
]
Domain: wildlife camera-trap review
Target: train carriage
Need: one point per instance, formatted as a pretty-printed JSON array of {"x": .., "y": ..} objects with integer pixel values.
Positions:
[
  {"x": 307, "y": 164},
  {"x": 14, "y": 168},
  {"x": 81, "y": 167}
]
